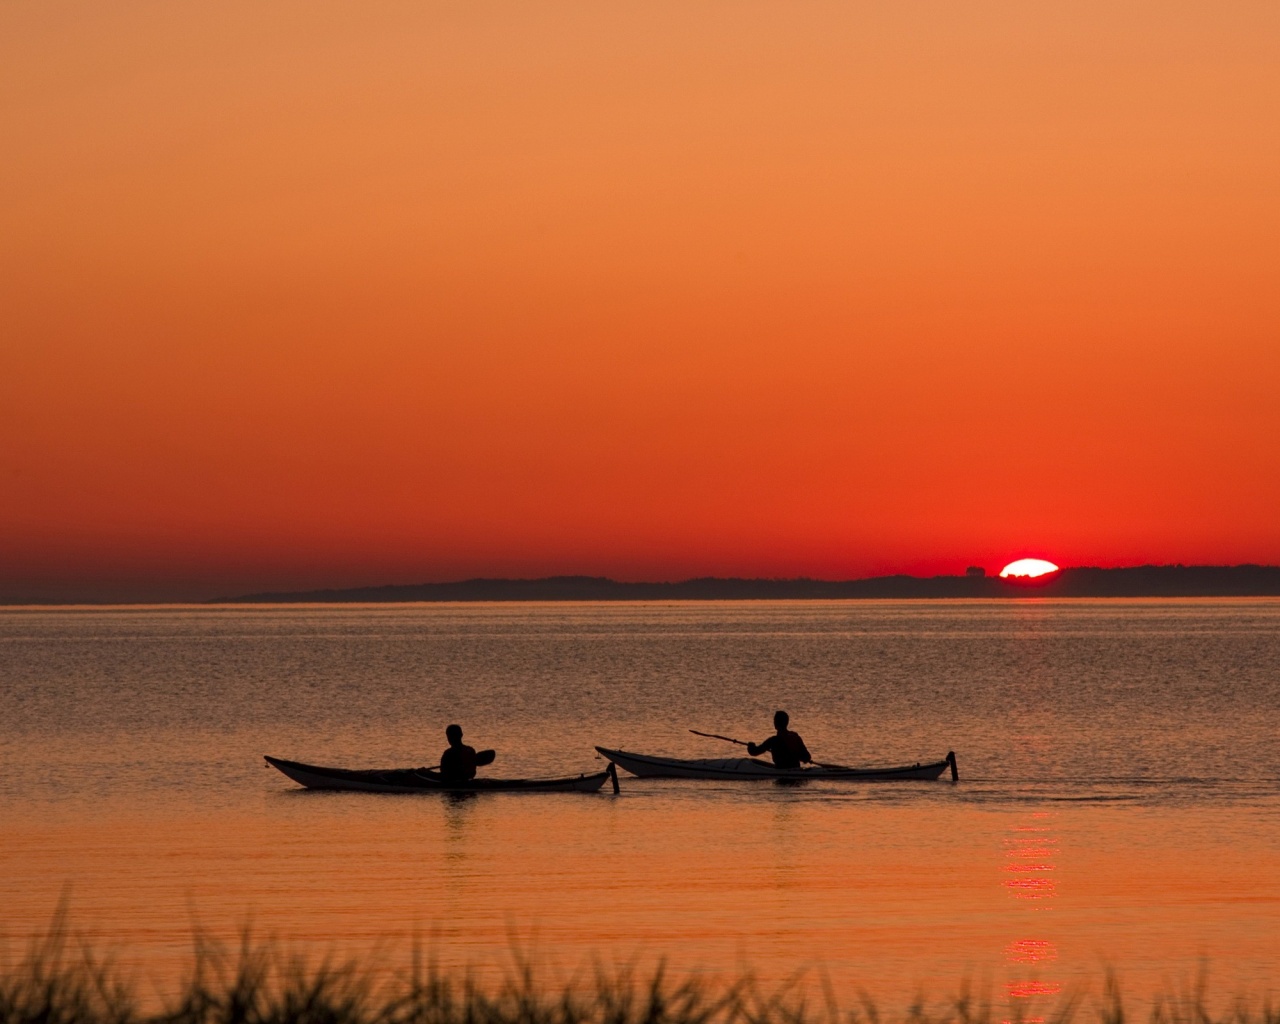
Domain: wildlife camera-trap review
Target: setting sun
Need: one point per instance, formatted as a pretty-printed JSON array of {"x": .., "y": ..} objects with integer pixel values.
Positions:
[{"x": 1029, "y": 567}]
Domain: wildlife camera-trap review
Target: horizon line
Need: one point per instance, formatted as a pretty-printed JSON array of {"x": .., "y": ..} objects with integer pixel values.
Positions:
[{"x": 969, "y": 579}]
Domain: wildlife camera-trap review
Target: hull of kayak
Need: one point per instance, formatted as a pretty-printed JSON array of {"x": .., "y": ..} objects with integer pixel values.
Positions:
[
  {"x": 648, "y": 767},
  {"x": 421, "y": 780}
]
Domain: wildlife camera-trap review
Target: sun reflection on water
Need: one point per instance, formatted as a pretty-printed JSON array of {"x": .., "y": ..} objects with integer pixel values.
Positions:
[
  {"x": 1029, "y": 861},
  {"x": 1030, "y": 951}
]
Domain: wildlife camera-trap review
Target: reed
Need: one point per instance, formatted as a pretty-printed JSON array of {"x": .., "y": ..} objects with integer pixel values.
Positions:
[{"x": 62, "y": 981}]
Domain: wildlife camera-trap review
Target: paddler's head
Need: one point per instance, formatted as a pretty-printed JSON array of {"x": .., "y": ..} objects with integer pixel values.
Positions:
[
  {"x": 453, "y": 734},
  {"x": 780, "y": 720}
]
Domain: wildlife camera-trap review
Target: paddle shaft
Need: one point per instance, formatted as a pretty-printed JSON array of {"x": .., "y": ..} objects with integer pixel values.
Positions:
[
  {"x": 717, "y": 736},
  {"x": 743, "y": 743}
]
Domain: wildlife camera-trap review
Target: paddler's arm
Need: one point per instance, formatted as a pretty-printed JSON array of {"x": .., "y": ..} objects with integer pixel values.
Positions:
[{"x": 755, "y": 750}]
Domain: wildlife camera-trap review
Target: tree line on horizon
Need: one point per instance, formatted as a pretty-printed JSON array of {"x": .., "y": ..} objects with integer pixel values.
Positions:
[{"x": 1133, "y": 581}]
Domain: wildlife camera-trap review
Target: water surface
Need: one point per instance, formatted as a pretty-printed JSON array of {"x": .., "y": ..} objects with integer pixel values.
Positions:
[{"x": 1119, "y": 801}]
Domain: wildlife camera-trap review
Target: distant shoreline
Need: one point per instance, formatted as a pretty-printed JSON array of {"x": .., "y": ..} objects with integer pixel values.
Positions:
[{"x": 1135, "y": 581}]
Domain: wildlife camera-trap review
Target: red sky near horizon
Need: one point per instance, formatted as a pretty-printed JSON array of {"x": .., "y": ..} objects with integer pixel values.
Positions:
[{"x": 323, "y": 294}]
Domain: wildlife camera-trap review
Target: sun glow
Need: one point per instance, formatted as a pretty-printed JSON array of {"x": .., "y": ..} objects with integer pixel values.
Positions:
[{"x": 1028, "y": 567}]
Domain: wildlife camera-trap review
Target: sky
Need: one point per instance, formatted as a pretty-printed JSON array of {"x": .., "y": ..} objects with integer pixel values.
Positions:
[{"x": 323, "y": 294}]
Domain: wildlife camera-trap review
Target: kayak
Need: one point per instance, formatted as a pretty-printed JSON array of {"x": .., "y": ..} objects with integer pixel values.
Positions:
[
  {"x": 646, "y": 766},
  {"x": 423, "y": 780}
]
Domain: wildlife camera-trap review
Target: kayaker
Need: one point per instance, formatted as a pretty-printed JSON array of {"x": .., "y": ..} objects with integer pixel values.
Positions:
[
  {"x": 458, "y": 763},
  {"x": 786, "y": 747}
]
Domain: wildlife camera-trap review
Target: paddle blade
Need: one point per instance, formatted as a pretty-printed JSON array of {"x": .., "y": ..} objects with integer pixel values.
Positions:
[{"x": 484, "y": 757}]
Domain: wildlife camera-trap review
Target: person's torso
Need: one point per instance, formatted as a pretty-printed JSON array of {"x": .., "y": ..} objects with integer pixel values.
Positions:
[
  {"x": 458, "y": 763},
  {"x": 787, "y": 749}
]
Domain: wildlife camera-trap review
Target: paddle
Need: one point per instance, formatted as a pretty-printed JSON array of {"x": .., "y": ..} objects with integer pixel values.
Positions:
[
  {"x": 717, "y": 736},
  {"x": 483, "y": 757},
  {"x": 744, "y": 743}
]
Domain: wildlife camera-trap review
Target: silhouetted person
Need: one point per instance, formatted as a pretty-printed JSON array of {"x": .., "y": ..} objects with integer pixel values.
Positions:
[
  {"x": 786, "y": 747},
  {"x": 458, "y": 763}
]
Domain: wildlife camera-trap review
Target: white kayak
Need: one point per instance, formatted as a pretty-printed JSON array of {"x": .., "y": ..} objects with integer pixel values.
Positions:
[{"x": 647, "y": 766}]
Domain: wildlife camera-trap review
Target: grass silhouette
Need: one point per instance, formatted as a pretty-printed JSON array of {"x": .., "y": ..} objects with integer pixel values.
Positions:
[{"x": 62, "y": 981}]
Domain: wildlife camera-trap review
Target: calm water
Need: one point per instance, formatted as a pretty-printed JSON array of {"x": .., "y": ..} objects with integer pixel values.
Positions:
[{"x": 1119, "y": 802}]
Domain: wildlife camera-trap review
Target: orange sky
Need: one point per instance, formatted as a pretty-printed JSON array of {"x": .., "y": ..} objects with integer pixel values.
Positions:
[{"x": 303, "y": 294}]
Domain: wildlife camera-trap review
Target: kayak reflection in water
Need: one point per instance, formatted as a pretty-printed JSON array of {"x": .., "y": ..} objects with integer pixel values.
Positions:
[
  {"x": 458, "y": 763},
  {"x": 786, "y": 747}
]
